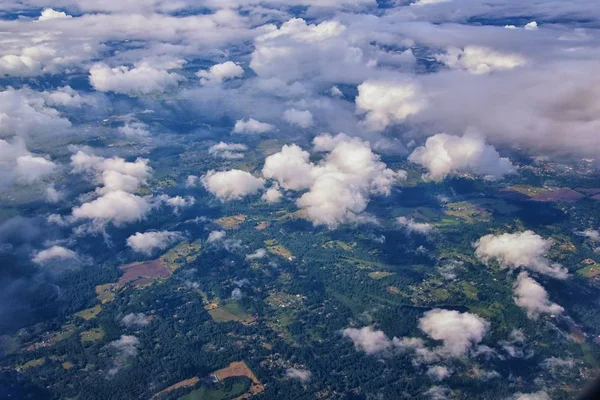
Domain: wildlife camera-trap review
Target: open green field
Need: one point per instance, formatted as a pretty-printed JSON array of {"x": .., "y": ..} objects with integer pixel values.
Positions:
[
  {"x": 230, "y": 311},
  {"x": 237, "y": 389}
]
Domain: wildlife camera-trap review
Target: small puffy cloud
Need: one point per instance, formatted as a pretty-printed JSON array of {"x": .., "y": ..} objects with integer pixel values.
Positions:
[
  {"x": 411, "y": 226},
  {"x": 148, "y": 242},
  {"x": 191, "y": 181},
  {"x": 220, "y": 72},
  {"x": 438, "y": 372},
  {"x": 368, "y": 340},
  {"x": 532, "y": 296},
  {"x": 541, "y": 395},
  {"x": 178, "y": 202},
  {"x": 445, "y": 155},
  {"x": 387, "y": 103},
  {"x": 236, "y": 294},
  {"x": 135, "y": 320},
  {"x": 54, "y": 253},
  {"x": 480, "y": 60},
  {"x": 216, "y": 236},
  {"x": 49, "y": 14},
  {"x": 53, "y": 196},
  {"x": 336, "y": 92},
  {"x": 143, "y": 79},
  {"x": 438, "y": 392},
  {"x": 301, "y": 375},
  {"x": 232, "y": 185},
  {"x": 521, "y": 249},
  {"x": 531, "y": 26},
  {"x": 134, "y": 129},
  {"x": 272, "y": 195},
  {"x": 118, "y": 207},
  {"x": 230, "y": 151},
  {"x": 252, "y": 126},
  {"x": 30, "y": 168},
  {"x": 127, "y": 345},
  {"x": 457, "y": 331},
  {"x": 591, "y": 234},
  {"x": 260, "y": 253},
  {"x": 301, "y": 118}
]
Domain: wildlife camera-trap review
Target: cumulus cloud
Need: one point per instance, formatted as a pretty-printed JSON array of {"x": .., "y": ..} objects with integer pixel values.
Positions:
[
  {"x": 387, "y": 103},
  {"x": 445, "y": 155},
  {"x": 480, "y": 60},
  {"x": 438, "y": 392},
  {"x": 411, "y": 226},
  {"x": 126, "y": 347},
  {"x": 252, "y": 126},
  {"x": 301, "y": 375},
  {"x": 531, "y": 26},
  {"x": 591, "y": 234},
  {"x": 54, "y": 253},
  {"x": 368, "y": 340},
  {"x": 134, "y": 129},
  {"x": 30, "y": 168},
  {"x": 232, "y": 185},
  {"x": 301, "y": 118},
  {"x": 216, "y": 236},
  {"x": 148, "y": 242},
  {"x": 53, "y": 196},
  {"x": 532, "y": 296},
  {"x": 118, "y": 207},
  {"x": 135, "y": 320},
  {"x": 541, "y": 395},
  {"x": 272, "y": 195},
  {"x": 49, "y": 14},
  {"x": 178, "y": 202},
  {"x": 220, "y": 72},
  {"x": 230, "y": 151},
  {"x": 457, "y": 331},
  {"x": 438, "y": 372},
  {"x": 143, "y": 79},
  {"x": 20, "y": 166},
  {"x": 521, "y": 249},
  {"x": 340, "y": 185},
  {"x": 258, "y": 254}
]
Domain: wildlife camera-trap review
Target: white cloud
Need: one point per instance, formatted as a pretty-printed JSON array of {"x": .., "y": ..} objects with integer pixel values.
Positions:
[
  {"x": 438, "y": 372},
  {"x": 143, "y": 79},
  {"x": 252, "y": 126},
  {"x": 290, "y": 167},
  {"x": 148, "y": 242},
  {"x": 541, "y": 395},
  {"x": 178, "y": 202},
  {"x": 592, "y": 235},
  {"x": 126, "y": 344},
  {"x": 457, "y": 331},
  {"x": 258, "y": 254},
  {"x": 135, "y": 320},
  {"x": 232, "y": 185},
  {"x": 134, "y": 129},
  {"x": 118, "y": 207},
  {"x": 302, "y": 375},
  {"x": 272, "y": 195},
  {"x": 531, "y": 26},
  {"x": 410, "y": 225},
  {"x": 220, "y": 72},
  {"x": 445, "y": 155},
  {"x": 368, "y": 340},
  {"x": 438, "y": 393},
  {"x": 340, "y": 185},
  {"x": 216, "y": 236},
  {"x": 53, "y": 196},
  {"x": 521, "y": 249},
  {"x": 49, "y": 13},
  {"x": 31, "y": 168},
  {"x": 387, "y": 103},
  {"x": 480, "y": 60},
  {"x": 425, "y": 2},
  {"x": 229, "y": 151},
  {"x": 532, "y": 296},
  {"x": 301, "y": 118},
  {"x": 191, "y": 181},
  {"x": 54, "y": 253}
]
